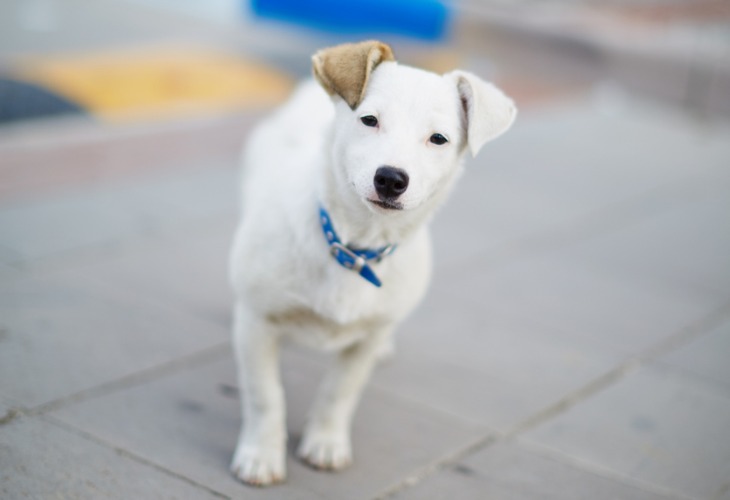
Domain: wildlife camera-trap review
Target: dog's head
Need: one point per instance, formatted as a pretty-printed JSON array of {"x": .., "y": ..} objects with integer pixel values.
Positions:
[{"x": 400, "y": 132}]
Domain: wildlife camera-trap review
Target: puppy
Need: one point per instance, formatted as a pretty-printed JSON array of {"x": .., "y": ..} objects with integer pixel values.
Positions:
[{"x": 333, "y": 248}]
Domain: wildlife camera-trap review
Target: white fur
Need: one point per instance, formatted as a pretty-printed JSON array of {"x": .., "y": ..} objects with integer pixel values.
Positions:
[{"x": 316, "y": 150}]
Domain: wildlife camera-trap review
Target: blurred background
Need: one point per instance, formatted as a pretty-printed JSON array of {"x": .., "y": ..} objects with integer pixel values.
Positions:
[
  {"x": 124, "y": 63},
  {"x": 574, "y": 343},
  {"x": 120, "y": 65}
]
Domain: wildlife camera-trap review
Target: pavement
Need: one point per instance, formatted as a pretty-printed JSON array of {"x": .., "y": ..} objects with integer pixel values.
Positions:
[{"x": 573, "y": 344}]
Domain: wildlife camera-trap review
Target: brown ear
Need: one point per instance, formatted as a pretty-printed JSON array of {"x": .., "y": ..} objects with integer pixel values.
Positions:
[{"x": 345, "y": 69}]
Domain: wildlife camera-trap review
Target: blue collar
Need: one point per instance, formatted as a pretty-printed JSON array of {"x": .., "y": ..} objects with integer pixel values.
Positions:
[{"x": 354, "y": 259}]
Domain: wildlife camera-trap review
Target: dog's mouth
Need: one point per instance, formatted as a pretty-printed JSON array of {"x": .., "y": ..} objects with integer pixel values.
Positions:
[{"x": 387, "y": 205}]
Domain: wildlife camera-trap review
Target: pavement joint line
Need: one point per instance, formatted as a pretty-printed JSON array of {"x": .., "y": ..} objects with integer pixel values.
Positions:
[
  {"x": 664, "y": 346},
  {"x": 10, "y": 415},
  {"x": 593, "y": 387},
  {"x": 428, "y": 470},
  {"x": 688, "y": 333},
  {"x": 130, "y": 455},
  {"x": 600, "y": 471},
  {"x": 683, "y": 336},
  {"x": 194, "y": 360},
  {"x": 592, "y": 223}
]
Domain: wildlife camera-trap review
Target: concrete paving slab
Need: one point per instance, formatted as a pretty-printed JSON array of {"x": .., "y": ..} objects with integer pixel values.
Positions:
[
  {"x": 558, "y": 165},
  {"x": 189, "y": 422},
  {"x": 454, "y": 356},
  {"x": 511, "y": 471},
  {"x": 623, "y": 283},
  {"x": 41, "y": 460},
  {"x": 64, "y": 334},
  {"x": 556, "y": 293},
  {"x": 106, "y": 216},
  {"x": 190, "y": 270},
  {"x": 675, "y": 241},
  {"x": 63, "y": 224},
  {"x": 705, "y": 356},
  {"x": 653, "y": 426},
  {"x": 8, "y": 273},
  {"x": 183, "y": 197}
]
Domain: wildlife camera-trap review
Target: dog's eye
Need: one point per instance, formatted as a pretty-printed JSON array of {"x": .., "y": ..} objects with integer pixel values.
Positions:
[
  {"x": 438, "y": 139},
  {"x": 369, "y": 121}
]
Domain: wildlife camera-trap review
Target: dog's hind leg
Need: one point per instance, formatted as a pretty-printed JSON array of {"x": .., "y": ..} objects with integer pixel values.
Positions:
[
  {"x": 326, "y": 441},
  {"x": 260, "y": 457}
]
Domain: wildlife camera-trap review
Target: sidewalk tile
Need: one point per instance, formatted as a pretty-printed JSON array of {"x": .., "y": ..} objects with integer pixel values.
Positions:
[
  {"x": 625, "y": 286},
  {"x": 189, "y": 423},
  {"x": 510, "y": 471},
  {"x": 7, "y": 255},
  {"x": 558, "y": 294},
  {"x": 103, "y": 216},
  {"x": 8, "y": 273},
  {"x": 706, "y": 356},
  {"x": 678, "y": 244},
  {"x": 456, "y": 356},
  {"x": 608, "y": 157},
  {"x": 197, "y": 195},
  {"x": 653, "y": 426},
  {"x": 187, "y": 271},
  {"x": 52, "y": 226},
  {"x": 567, "y": 169},
  {"x": 64, "y": 334},
  {"x": 42, "y": 460}
]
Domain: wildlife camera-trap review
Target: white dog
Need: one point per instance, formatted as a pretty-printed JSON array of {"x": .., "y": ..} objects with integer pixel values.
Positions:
[{"x": 333, "y": 247}]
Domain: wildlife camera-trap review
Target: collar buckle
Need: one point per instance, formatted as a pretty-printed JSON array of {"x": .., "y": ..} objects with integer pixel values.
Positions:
[
  {"x": 349, "y": 258},
  {"x": 352, "y": 261}
]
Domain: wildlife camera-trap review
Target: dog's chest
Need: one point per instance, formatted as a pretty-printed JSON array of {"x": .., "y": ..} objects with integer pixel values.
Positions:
[
  {"x": 338, "y": 308},
  {"x": 310, "y": 327}
]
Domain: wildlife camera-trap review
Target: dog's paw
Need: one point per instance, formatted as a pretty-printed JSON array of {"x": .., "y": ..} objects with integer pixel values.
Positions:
[
  {"x": 326, "y": 451},
  {"x": 259, "y": 466}
]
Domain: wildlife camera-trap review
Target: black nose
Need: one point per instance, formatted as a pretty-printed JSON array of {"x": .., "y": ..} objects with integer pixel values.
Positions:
[{"x": 390, "y": 182}]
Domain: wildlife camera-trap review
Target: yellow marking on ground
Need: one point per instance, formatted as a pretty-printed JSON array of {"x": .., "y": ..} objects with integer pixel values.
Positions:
[{"x": 157, "y": 83}]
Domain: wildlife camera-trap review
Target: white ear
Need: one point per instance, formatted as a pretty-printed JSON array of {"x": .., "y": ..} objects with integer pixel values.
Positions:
[{"x": 487, "y": 111}]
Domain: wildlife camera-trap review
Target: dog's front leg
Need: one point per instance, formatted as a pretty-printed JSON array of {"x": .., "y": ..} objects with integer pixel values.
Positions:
[
  {"x": 326, "y": 441},
  {"x": 260, "y": 457}
]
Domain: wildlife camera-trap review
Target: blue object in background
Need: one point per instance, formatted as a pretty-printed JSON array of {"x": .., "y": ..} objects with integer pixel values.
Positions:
[{"x": 423, "y": 19}]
